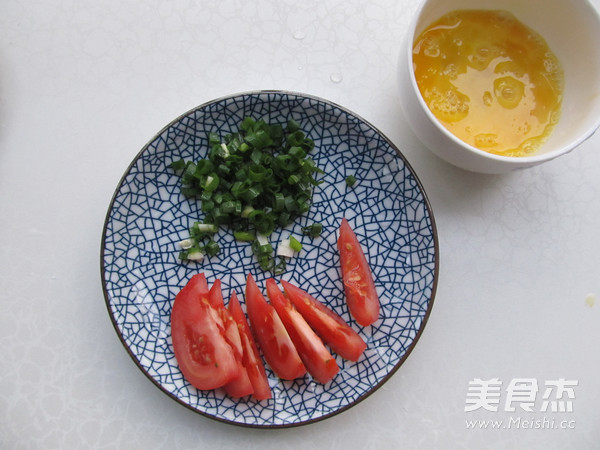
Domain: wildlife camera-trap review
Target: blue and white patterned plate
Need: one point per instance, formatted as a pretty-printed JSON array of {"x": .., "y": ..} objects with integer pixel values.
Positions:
[{"x": 387, "y": 208}]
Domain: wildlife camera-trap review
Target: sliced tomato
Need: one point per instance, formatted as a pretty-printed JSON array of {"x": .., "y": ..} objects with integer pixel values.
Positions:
[
  {"x": 251, "y": 357},
  {"x": 336, "y": 333},
  {"x": 202, "y": 352},
  {"x": 361, "y": 295},
  {"x": 241, "y": 386},
  {"x": 271, "y": 335},
  {"x": 316, "y": 358}
]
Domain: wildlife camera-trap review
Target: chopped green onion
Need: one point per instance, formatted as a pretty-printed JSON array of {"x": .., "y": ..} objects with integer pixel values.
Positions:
[
  {"x": 278, "y": 202},
  {"x": 186, "y": 244},
  {"x": 246, "y": 211},
  {"x": 285, "y": 249},
  {"x": 178, "y": 165},
  {"x": 293, "y": 179},
  {"x": 246, "y": 236},
  {"x": 257, "y": 172},
  {"x": 211, "y": 183},
  {"x": 252, "y": 180},
  {"x": 211, "y": 248},
  {"x": 213, "y": 139},
  {"x": 207, "y": 227},
  {"x": 203, "y": 167},
  {"x": 262, "y": 239},
  {"x": 195, "y": 256},
  {"x": 313, "y": 230},
  {"x": 295, "y": 244},
  {"x": 279, "y": 268},
  {"x": 350, "y": 180}
]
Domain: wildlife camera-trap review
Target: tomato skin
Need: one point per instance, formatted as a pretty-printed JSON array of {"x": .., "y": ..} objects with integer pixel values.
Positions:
[
  {"x": 316, "y": 358},
  {"x": 271, "y": 335},
  {"x": 241, "y": 386},
  {"x": 202, "y": 353},
  {"x": 251, "y": 357},
  {"x": 359, "y": 286},
  {"x": 336, "y": 333}
]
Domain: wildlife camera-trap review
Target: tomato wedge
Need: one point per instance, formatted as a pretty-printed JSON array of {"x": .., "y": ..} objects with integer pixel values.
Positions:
[
  {"x": 359, "y": 286},
  {"x": 251, "y": 358},
  {"x": 241, "y": 386},
  {"x": 316, "y": 358},
  {"x": 336, "y": 333},
  {"x": 204, "y": 357},
  {"x": 271, "y": 335}
]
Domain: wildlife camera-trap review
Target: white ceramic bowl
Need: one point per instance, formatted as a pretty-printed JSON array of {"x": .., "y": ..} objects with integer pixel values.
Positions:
[{"x": 572, "y": 31}]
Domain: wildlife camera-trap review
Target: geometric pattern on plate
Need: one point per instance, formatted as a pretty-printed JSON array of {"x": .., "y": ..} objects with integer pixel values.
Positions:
[{"x": 387, "y": 208}]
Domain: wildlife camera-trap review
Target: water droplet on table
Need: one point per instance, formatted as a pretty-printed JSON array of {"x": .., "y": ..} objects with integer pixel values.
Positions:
[
  {"x": 336, "y": 77},
  {"x": 299, "y": 35}
]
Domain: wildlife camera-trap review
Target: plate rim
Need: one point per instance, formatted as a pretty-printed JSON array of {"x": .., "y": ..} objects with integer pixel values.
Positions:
[{"x": 419, "y": 332}]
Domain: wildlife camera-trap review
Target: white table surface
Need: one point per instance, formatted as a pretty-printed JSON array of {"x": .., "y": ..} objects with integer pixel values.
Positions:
[{"x": 84, "y": 85}]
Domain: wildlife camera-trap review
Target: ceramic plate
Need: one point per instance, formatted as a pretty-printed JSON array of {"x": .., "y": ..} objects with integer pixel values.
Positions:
[{"x": 387, "y": 208}]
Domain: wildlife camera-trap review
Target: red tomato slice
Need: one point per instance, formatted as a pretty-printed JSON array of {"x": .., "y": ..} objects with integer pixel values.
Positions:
[
  {"x": 316, "y": 358},
  {"x": 251, "y": 358},
  {"x": 359, "y": 286},
  {"x": 271, "y": 335},
  {"x": 241, "y": 386},
  {"x": 203, "y": 355},
  {"x": 336, "y": 333}
]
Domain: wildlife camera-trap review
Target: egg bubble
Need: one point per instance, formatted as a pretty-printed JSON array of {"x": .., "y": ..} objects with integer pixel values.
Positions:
[
  {"x": 487, "y": 98},
  {"x": 550, "y": 65},
  {"x": 450, "y": 71},
  {"x": 486, "y": 140}
]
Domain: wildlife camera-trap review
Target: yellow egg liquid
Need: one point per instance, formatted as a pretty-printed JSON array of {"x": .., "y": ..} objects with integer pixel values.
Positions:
[{"x": 490, "y": 80}]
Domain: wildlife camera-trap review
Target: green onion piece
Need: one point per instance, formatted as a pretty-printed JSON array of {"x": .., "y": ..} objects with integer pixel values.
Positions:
[
  {"x": 267, "y": 226},
  {"x": 188, "y": 174},
  {"x": 284, "y": 218},
  {"x": 292, "y": 126},
  {"x": 279, "y": 268},
  {"x": 256, "y": 216},
  {"x": 350, "y": 180},
  {"x": 189, "y": 191},
  {"x": 247, "y": 124},
  {"x": 213, "y": 138},
  {"x": 207, "y": 227},
  {"x": 313, "y": 230},
  {"x": 203, "y": 167},
  {"x": 278, "y": 202},
  {"x": 195, "y": 255},
  {"x": 256, "y": 156},
  {"x": 178, "y": 165},
  {"x": 208, "y": 195},
  {"x": 211, "y": 183},
  {"x": 297, "y": 152},
  {"x": 293, "y": 179},
  {"x": 259, "y": 139},
  {"x": 224, "y": 170},
  {"x": 257, "y": 172},
  {"x": 245, "y": 236},
  {"x": 246, "y": 211},
  {"x": 208, "y": 206},
  {"x": 232, "y": 207},
  {"x": 295, "y": 244},
  {"x": 211, "y": 248}
]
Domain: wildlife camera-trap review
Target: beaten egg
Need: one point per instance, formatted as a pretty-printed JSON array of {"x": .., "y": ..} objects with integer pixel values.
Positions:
[{"x": 490, "y": 80}]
